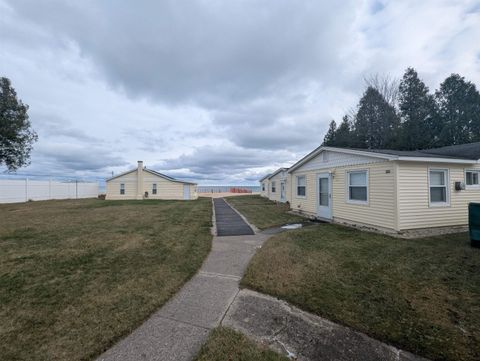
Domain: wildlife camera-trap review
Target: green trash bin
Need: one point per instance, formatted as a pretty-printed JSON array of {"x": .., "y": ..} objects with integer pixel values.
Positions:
[{"x": 474, "y": 223}]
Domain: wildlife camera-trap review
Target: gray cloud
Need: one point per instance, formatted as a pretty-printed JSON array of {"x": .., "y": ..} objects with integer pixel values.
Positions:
[
  {"x": 225, "y": 163},
  {"x": 213, "y": 53},
  {"x": 213, "y": 91},
  {"x": 54, "y": 127}
]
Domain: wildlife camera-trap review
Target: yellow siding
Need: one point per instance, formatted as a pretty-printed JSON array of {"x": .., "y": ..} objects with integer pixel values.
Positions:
[
  {"x": 274, "y": 196},
  {"x": 166, "y": 189},
  {"x": 265, "y": 193},
  {"x": 380, "y": 210},
  {"x": 413, "y": 197},
  {"x": 278, "y": 178},
  {"x": 288, "y": 188},
  {"x": 130, "y": 181}
]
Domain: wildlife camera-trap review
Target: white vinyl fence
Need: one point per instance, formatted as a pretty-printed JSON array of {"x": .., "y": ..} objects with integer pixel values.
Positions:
[{"x": 23, "y": 190}]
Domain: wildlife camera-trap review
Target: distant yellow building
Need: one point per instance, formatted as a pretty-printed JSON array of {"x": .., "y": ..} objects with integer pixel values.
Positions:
[{"x": 143, "y": 183}]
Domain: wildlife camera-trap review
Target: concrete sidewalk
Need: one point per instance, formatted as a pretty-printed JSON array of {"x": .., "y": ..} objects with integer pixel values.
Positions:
[
  {"x": 302, "y": 335},
  {"x": 212, "y": 297},
  {"x": 178, "y": 329}
]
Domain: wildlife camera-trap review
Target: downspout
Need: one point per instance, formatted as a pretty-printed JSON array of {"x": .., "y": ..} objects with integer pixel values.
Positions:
[{"x": 396, "y": 223}]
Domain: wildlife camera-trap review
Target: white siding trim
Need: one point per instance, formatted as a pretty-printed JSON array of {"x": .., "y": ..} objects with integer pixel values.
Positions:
[{"x": 437, "y": 160}]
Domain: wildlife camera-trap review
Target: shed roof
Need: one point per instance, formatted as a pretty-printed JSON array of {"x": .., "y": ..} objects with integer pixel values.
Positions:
[
  {"x": 154, "y": 173},
  {"x": 277, "y": 171}
]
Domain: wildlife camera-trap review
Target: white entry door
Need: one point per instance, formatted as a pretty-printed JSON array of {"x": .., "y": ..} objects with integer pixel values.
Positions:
[
  {"x": 324, "y": 198},
  {"x": 186, "y": 191},
  {"x": 282, "y": 192}
]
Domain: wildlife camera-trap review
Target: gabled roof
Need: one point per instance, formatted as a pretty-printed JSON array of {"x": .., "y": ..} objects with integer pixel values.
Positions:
[
  {"x": 277, "y": 171},
  {"x": 154, "y": 173},
  {"x": 464, "y": 154},
  {"x": 265, "y": 177}
]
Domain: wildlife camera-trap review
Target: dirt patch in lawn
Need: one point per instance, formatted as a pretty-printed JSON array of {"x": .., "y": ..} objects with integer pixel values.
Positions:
[{"x": 224, "y": 344}]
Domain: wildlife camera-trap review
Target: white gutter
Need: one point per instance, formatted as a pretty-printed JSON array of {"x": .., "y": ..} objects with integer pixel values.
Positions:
[
  {"x": 389, "y": 157},
  {"x": 438, "y": 160}
]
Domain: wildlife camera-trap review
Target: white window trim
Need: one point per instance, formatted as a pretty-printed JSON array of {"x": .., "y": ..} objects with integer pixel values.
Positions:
[
  {"x": 471, "y": 186},
  {"x": 347, "y": 187},
  {"x": 263, "y": 187},
  {"x": 122, "y": 188},
  {"x": 273, "y": 187},
  {"x": 154, "y": 188},
  {"x": 296, "y": 187},
  {"x": 447, "y": 186}
]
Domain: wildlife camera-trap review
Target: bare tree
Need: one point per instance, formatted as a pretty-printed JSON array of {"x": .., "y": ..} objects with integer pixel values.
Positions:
[{"x": 386, "y": 85}]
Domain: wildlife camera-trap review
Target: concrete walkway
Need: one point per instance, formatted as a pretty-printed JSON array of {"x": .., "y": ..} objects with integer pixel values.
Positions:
[
  {"x": 302, "y": 335},
  {"x": 212, "y": 297},
  {"x": 178, "y": 329}
]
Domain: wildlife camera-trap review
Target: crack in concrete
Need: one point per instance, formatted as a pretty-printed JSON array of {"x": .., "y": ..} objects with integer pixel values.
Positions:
[{"x": 219, "y": 275}]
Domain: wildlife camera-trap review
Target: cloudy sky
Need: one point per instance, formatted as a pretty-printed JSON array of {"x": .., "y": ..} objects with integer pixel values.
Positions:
[{"x": 220, "y": 92}]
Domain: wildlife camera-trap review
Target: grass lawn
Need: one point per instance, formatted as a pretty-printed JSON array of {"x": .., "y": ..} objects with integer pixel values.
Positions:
[
  {"x": 262, "y": 212},
  {"x": 224, "y": 344},
  {"x": 422, "y": 295},
  {"x": 77, "y": 275}
]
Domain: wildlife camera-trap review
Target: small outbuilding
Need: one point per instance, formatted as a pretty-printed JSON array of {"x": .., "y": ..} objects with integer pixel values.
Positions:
[{"x": 143, "y": 183}]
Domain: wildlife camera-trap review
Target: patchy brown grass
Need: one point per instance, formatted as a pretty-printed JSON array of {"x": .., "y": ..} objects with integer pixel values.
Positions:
[
  {"x": 422, "y": 295},
  {"x": 75, "y": 276},
  {"x": 225, "y": 344},
  {"x": 262, "y": 212}
]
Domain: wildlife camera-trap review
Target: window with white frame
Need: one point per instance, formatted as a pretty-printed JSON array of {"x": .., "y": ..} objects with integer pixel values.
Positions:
[
  {"x": 122, "y": 188},
  {"x": 301, "y": 186},
  {"x": 472, "y": 177},
  {"x": 357, "y": 183},
  {"x": 438, "y": 186},
  {"x": 154, "y": 188},
  {"x": 263, "y": 187},
  {"x": 274, "y": 189}
]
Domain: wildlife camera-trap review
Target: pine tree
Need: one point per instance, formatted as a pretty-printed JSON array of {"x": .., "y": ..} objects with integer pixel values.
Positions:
[
  {"x": 329, "y": 139},
  {"x": 376, "y": 123},
  {"x": 16, "y": 135},
  {"x": 343, "y": 135},
  {"x": 458, "y": 103},
  {"x": 417, "y": 112}
]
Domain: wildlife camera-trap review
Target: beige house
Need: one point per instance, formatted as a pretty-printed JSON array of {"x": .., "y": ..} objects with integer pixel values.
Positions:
[
  {"x": 278, "y": 182},
  {"x": 386, "y": 189},
  {"x": 143, "y": 183}
]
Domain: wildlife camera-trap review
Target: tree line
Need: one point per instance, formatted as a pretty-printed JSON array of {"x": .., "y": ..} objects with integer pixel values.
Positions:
[{"x": 404, "y": 115}]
